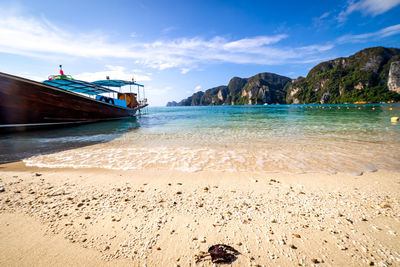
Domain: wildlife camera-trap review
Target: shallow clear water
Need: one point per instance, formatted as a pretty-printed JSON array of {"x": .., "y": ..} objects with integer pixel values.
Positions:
[{"x": 282, "y": 138}]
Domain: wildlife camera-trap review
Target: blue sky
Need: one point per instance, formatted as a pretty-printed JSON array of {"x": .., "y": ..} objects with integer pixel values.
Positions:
[{"x": 176, "y": 48}]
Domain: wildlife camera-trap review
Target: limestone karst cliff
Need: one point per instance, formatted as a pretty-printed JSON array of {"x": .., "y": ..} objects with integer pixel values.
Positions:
[{"x": 371, "y": 75}]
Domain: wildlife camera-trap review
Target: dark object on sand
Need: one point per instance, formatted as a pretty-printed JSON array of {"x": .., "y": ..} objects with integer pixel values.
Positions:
[
  {"x": 222, "y": 253},
  {"x": 219, "y": 254}
]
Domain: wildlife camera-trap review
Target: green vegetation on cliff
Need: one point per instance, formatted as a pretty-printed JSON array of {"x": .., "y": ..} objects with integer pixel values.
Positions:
[
  {"x": 371, "y": 75},
  {"x": 259, "y": 89},
  {"x": 360, "y": 77}
]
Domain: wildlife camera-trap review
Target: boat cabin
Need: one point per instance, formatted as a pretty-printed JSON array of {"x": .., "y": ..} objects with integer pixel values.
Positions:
[
  {"x": 115, "y": 92},
  {"x": 126, "y": 99}
]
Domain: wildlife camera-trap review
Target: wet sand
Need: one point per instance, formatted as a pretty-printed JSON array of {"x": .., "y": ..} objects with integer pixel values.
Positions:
[{"x": 92, "y": 217}]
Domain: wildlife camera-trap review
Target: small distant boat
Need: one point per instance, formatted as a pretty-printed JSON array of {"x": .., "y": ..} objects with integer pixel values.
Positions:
[
  {"x": 361, "y": 102},
  {"x": 62, "y": 100}
]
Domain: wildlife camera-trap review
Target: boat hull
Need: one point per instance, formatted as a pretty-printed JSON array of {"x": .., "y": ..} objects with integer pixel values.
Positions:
[{"x": 25, "y": 103}]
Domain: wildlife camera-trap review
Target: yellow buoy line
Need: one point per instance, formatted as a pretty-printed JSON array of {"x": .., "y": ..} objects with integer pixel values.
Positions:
[
  {"x": 321, "y": 107},
  {"x": 392, "y": 119}
]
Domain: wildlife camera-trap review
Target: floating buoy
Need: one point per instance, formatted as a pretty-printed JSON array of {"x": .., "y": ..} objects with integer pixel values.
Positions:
[
  {"x": 390, "y": 108},
  {"x": 373, "y": 108},
  {"x": 394, "y": 119}
]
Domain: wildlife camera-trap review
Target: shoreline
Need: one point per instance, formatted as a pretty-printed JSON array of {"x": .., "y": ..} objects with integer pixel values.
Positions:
[{"x": 152, "y": 216}]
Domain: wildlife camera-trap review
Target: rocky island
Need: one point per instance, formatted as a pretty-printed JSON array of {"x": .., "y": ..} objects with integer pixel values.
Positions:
[{"x": 370, "y": 75}]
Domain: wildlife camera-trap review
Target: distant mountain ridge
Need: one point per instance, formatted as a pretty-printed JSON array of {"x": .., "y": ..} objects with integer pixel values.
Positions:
[
  {"x": 258, "y": 89},
  {"x": 371, "y": 75}
]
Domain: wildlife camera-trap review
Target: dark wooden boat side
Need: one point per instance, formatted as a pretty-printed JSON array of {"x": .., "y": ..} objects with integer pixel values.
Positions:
[{"x": 27, "y": 103}]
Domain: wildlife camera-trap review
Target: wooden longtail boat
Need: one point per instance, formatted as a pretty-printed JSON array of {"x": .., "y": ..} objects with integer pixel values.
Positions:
[{"x": 61, "y": 100}]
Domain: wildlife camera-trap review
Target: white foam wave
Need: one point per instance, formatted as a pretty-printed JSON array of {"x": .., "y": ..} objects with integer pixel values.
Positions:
[
  {"x": 292, "y": 158},
  {"x": 68, "y": 139}
]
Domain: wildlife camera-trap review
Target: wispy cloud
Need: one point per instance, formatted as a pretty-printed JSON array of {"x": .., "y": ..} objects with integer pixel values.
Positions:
[
  {"x": 151, "y": 91},
  {"x": 322, "y": 21},
  {"x": 255, "y": 42},
  {"x": 325, "y": 15},
  {"x": 316, "y": 48},
  {"x": 39, "y": 37},
  {"x": 195, "y": 90},
  {"x": 185, "y": 70},
  {"x": 28, "y": 36},
  {"x": 368, "y": 7},
  {"x": 168, "y": 29},
  {"x": 31, "y": 76},
  {"x": 385, "y": 32},
  {"x": 113, "y": 72}
]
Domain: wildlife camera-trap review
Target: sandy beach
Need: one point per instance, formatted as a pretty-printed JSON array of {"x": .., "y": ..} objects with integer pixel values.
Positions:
[
  {"x": 200, "y": 133},
  {"x": 96, "y": 217}
]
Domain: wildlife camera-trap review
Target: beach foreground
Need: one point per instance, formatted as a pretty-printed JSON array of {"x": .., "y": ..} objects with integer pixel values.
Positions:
[{"x": 91, "y": 217}]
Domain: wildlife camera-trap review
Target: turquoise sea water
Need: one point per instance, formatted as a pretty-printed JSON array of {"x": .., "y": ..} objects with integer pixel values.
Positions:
[{"x": 274, "y": 138}]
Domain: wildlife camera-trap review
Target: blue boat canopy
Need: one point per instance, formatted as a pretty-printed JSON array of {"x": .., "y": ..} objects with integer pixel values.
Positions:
[
  {"x": 116, "y": 83},
  {"x": 78, "y": 86}
]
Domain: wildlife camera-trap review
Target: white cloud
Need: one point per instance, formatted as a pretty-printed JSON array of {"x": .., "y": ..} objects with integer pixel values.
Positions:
[
  {"x": 316, "y": 48},
  {"x": 33, "y": 77},
  {"x": 114, "y": 72},
  {"x": 195, "y": 90},
  {"x": 255, "y": 42},
  {"x": 156, "y": 92},
  {"x": 168, "y": 29},
  {"x": 322, "y": 21},
  {"x": 29, "y": 36},
  {"x": 385, "y": 32},
  {"x": 368, "y": 7},
  {"x": 325, "y": 15},
  {"x": 185, "y": 70}
]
